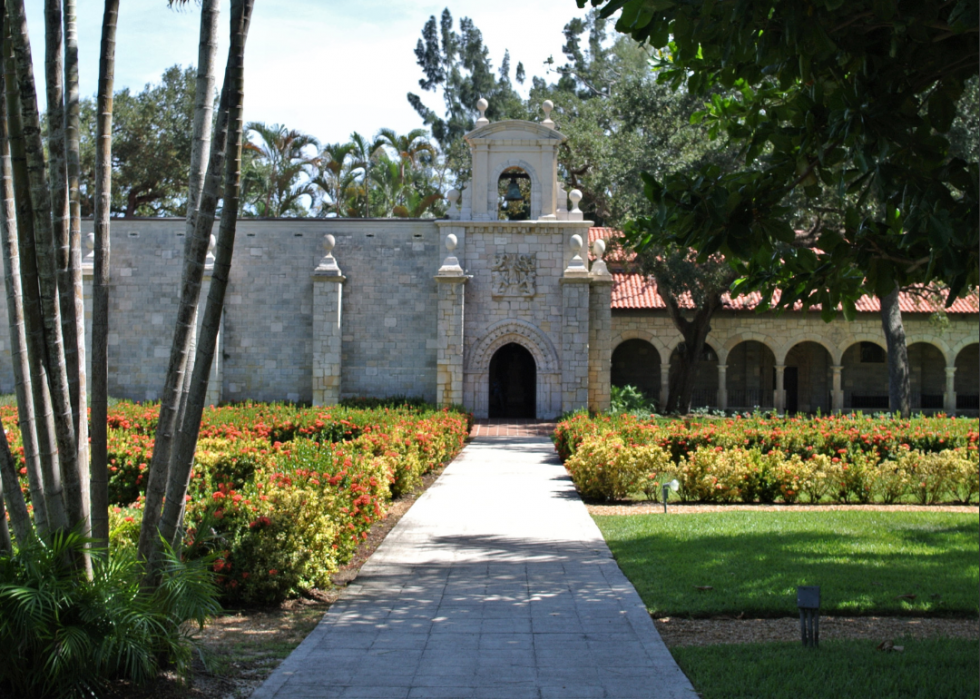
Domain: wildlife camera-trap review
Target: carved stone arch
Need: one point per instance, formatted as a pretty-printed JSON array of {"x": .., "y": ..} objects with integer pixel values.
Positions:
[
  {"x": 834, "y": 352},
  {"x": 523, "y": 333},
  {"x": 948, "y": 356},
  {"x": 492, "y": 186},
  {"x": 735, "y": 340}
]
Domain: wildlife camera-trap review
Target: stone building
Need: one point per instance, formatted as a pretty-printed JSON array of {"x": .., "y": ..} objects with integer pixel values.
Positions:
[{"x": 496, "y": 308}]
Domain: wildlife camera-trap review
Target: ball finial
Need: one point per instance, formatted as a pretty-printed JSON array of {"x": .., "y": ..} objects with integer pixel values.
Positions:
[
  {"x": 599, "y": 248},
  {"x": 328, "y": 244},
  {"x": 575, "y": 243},
  {"x": 452, "y": 195},
  {"x": 546, "y": 107},
  {"x": 451, "y": 242},
  {"x": 482, "y": 105}
]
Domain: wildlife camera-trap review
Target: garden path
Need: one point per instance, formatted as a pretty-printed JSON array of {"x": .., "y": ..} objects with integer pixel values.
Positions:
[{"x": 495, "y": 584}]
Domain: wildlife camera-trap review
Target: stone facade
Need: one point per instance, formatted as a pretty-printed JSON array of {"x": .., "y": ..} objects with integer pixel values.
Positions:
[{"x": 318, "y": 310}]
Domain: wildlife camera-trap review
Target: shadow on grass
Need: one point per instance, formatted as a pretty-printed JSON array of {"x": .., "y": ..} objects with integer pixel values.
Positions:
[{"x": 865, "y": 563}]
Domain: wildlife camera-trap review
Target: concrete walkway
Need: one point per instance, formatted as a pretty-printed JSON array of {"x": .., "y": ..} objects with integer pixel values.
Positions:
[{"x": 495, "y": 584}]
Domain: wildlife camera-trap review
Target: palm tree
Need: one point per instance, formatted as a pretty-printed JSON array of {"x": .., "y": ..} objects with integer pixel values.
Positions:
[
  {"x": 335, "y": 175},
  {"x": 410, "y": 147},
  {"x": 364, "y": 153},
  {"x": 283, "y": 161}
]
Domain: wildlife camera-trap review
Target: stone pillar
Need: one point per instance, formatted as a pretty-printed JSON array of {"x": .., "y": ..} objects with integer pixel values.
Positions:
[
  {"x": 449, "y": 358},
  {"x": 779, "y": 397},
  {"x": 600, "y": 332},
  {"x": 837, "y": 394},
  {"x": 722, "y": 387},
  {"x": 575, "y": 331},
  {"x": 328, "y": 287},
  {"x": 949, "y": 396},
  {"x": 664, "y": 384}
]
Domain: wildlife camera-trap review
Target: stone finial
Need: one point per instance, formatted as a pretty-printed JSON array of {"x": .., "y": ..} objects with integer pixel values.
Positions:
[
  {"x": 561, "y": 211},
  {"x": 452, "y": 196},
  {"x": 90, "y": 246},
  {"x": 575, "y": 196},
  {"x": 576, "y": 267},
  {"x": 450, "y": 266},
  {"x": 546, "y": 108},
  {"x": 328, "y": 265},
  {"x": 482, "y": 105},
  {"x": 599, "y": 268}
]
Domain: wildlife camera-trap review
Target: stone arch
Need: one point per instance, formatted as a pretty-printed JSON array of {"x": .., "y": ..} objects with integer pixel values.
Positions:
[
  {"x": 521, "y": 332},
  {"x": 735, "y": 340},
  {"x": 663, "y": 349},
  {"x": 633, "y": 365},
  {"x": 675, "y": 340},
  {"x": 498, "y": 170},
  {"x": 834, "y": 352},
  {"x": 864, "y": 385},
  {"x": 959, "y": 347},
  {"x": 936, "y": 342},
  {"x": 862, "y": 337}
]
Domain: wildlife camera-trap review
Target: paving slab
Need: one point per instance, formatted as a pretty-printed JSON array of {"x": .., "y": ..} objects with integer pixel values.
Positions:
[{"x": 496, "y": 583}]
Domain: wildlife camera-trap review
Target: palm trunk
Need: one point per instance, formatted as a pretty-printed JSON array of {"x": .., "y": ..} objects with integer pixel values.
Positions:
[
  {"x": 191, "y": 426},
  {"x": 15, "y": 317},
  {"x": 51, "y": 503},
  {"x": 899, "y": 387},
  {"x": 100, "y": 280},
  {"x": 19, "y": 516},
  {"x": 203, "y": 108},
  {"x": 46, "y": 265},
  {"x": 71, "y": 290},
  {"x": 186, "y": 314}
]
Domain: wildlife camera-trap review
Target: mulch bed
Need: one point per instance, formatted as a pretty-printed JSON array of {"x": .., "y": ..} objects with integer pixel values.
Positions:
[{"x": 707, "y": 632}]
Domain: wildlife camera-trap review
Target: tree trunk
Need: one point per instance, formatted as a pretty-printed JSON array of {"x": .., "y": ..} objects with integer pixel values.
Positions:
[
  {"x": 203, "y": 109},
  {"x": 53, "y": 516},
  {"x": 47, "y": 267},
  {"x": 5, "y": 546},
  {"x": 899, "y": 387},
  {"x": 100, "y": 278},
  {"x": 19, "y": 516},
  {"x": 193, "y": 275},
  {"x": 71, "y": 289},
  {"x": 191, "y": 426},
  {"x": 15, "y": 317},
  {"x": 694, "y": 331}
]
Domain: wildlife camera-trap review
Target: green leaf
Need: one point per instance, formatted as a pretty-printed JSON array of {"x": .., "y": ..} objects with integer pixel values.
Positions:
[{"x": 942, "y": 111}]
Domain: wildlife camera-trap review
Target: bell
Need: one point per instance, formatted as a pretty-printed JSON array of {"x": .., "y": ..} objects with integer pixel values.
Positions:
[{"x": 513, "y": 191}]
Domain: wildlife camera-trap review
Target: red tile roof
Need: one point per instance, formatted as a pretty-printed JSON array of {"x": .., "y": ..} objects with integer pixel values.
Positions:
[{"x": 633, "y": 291}]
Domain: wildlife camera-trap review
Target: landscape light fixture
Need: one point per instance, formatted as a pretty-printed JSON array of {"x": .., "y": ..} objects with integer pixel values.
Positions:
[
  {"x": 673, "y": 485},
  {"x": 808, "y": 600}
]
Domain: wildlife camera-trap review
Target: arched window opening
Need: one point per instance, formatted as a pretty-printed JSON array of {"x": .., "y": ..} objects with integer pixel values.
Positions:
[
  {"x": 513, "y": 379},
  {"x": 637, "y": 363},
  {"x": 808, "y": 378},
  {"x": 514, "y": 195},
  {"x": 705, "y": 393},
  {"x": 967, "y": 380},
  {"x": 927, "y": 376},
  {"x": 751, "y": 376},
  {"x": 865, "y": 377}
]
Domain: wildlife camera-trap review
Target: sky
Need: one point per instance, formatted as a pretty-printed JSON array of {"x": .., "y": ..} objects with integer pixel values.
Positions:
[{"x": 323, "y": 67}]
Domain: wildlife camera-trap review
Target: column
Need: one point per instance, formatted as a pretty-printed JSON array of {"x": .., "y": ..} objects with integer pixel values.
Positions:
[
  {"x": 664, "y": 384},
  {"x": 722, "y": 386},
  {"x": 779, "y": 401},
  {"x": 449, "y": 355},
  {"x": 837, "y": 394},
  {"x": 575, "y": 330},
  {"x": 600, "y": 339},
  {"x": 949, "y": 398},
  {"x": 328, "y": 287}
]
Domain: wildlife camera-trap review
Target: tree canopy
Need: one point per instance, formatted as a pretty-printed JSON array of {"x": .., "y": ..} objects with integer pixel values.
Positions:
[{"x": 842, "y": 112}]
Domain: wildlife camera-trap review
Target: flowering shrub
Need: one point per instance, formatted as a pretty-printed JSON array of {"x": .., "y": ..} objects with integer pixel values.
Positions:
[
  {"x": 280, "y": 496},
  {"x": 759, "y": 459},
  {"x": 607, "y": 469}
]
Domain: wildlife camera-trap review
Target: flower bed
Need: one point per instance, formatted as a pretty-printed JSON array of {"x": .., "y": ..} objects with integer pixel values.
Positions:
[
  {"x": 848, "y": 458},
  {"x": 281, "y": 495}
]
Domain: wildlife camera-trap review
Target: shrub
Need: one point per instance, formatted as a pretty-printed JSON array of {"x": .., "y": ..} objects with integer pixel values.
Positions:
[
  {"x": 630, "y": 399},
  {"x": 609, "y": 470}
]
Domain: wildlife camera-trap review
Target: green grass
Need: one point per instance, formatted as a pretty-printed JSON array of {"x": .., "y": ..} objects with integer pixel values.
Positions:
[
  {"x": 753, "y": 561},
  {"x": 928, "y": 669}
]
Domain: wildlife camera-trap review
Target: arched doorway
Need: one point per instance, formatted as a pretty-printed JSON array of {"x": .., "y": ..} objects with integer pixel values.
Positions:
[
  {"x": 865, "y": 376},
  {"x": 751, "y": 376},
  {"x": 967, "y": 380},
  {"x": 513, "y": 377},
  {"x": 808, "y": 379},
  {"x": 927, "y": 376}
]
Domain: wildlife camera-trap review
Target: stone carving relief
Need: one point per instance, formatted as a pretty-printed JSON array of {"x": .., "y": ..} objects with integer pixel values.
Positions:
[{"x": 514, "y": 274}]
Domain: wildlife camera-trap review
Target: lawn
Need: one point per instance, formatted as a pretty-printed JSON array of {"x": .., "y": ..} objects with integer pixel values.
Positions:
[
  {"x": 866, "y": 563},
  {"x": 927, "y": 669}
]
